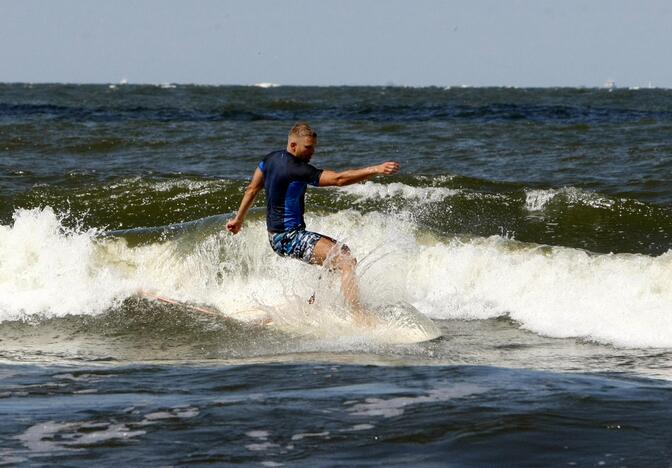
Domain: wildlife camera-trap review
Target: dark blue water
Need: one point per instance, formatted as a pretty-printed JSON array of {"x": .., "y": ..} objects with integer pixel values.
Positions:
[{"x": 331, "y": 414}]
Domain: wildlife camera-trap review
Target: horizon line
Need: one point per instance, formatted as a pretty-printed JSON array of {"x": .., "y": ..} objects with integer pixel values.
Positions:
[{"x": 271, "y": 85}]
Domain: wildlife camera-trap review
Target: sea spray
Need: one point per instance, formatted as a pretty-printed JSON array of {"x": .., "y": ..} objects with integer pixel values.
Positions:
[{"x": 47, "y": 268}]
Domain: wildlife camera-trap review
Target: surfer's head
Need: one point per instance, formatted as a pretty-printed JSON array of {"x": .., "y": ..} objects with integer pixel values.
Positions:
[{"x": 301, "y": 141}]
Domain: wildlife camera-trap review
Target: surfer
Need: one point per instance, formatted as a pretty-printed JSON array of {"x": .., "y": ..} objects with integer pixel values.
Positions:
[{"x": 284, "y": 175}]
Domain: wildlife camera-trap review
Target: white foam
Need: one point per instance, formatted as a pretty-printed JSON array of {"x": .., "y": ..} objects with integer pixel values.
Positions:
[
  {"x": 260, "y": 447},
  {"x": 159, "y": 415},
  {"x": 39, "y": 437},
  {"x": 624, "y": 300},
  {"x": 373, "y": 190},
  {"x": 45, "y": 268},
  {"x": 391, "y": 407},
  {"x": 182, "y": 413},
  {"x": 362, "y": 427},
  {"x": 305, "y": 435},
  {"x": 113, "y": 432},
  {"x": 536, "y": 200},
  {"x": 7, "y": 458},
  {"x": 51, "y": 436}
]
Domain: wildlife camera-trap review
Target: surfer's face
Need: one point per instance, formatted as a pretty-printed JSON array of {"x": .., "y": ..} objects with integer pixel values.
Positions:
[{"x": 303, "y": 147}]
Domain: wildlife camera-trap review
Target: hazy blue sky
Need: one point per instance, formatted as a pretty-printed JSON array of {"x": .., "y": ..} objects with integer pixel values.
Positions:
[{"x": 312, "y": 42}]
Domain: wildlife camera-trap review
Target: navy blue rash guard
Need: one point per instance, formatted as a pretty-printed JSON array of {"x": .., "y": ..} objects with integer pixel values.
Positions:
[{"x": 285, "y": 181}]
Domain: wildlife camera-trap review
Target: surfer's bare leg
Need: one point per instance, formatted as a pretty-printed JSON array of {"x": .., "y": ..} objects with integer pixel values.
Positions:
[{"x": 331, "y": 255}]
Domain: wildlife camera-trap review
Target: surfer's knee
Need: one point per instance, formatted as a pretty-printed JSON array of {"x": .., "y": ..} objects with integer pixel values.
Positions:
[
  {"x": 345, "y": 250},
  {"x": 345, "y": 260},
  {"x": 340, "y": 258}
]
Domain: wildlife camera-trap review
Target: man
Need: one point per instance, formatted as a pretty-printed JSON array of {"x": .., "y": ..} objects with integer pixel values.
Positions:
[{"x": 284, "y": 175}]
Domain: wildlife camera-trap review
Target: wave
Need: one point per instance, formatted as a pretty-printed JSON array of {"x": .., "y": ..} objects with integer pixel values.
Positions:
[
  {"x": 372, "y": 190},
  {"x": 567, "y": 216},
  {"x": 48, "y": 270},
  {"x": 443, "y": 188},
  {"x": 537, "y": 200}
]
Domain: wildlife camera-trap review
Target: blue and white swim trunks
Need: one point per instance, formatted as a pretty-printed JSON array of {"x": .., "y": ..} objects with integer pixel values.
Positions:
[{"x": 297, "y": 243}]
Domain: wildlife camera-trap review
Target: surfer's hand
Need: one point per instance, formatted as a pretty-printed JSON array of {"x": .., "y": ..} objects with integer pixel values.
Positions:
[
  {"x": 388, "y": 168},
  {"x": 234, "y": 225}
]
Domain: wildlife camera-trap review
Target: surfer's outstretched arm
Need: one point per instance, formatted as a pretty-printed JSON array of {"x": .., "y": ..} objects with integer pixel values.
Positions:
[
  {"x": 251, "y": 192},
  {"x": 352, "y": 176}
]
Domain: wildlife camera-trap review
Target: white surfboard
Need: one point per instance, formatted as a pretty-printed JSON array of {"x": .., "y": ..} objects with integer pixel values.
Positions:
[{"x": 399, "y": 323}]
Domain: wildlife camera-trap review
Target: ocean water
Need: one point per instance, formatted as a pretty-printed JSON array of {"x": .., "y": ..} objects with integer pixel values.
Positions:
[{"x": 533, "y": 226}]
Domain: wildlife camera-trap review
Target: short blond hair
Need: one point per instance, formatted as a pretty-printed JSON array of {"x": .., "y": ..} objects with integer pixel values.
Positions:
[{"x": 302, "y": 129}]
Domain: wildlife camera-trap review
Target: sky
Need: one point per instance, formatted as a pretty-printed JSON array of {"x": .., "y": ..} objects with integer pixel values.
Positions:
[{"x": 339, "y": 42}]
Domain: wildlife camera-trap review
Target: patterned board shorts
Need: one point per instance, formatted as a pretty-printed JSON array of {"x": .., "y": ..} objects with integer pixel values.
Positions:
[{"x": 296, "y": 244}]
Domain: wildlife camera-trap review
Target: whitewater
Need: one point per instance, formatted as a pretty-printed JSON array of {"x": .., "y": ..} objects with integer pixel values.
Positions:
[{"x": 48, "y": 270}]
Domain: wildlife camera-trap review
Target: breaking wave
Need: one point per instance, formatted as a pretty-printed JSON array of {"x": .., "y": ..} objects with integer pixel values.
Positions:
[{"x": 49, "y": 270}]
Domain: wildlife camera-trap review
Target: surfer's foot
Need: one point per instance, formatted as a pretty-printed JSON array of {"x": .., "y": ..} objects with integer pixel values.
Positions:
[{"x": 363, "y": 319}]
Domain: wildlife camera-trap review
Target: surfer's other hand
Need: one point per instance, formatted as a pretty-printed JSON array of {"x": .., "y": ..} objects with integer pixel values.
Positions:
[
  {"x": 233, "y": 226},
  {"x": 388, "y": 168}
]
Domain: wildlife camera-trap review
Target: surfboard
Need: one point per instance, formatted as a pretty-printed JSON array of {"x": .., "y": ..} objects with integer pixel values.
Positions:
[
  {"x": 155, "y": 297},
  {"x": 398, "y": 323},
  {"x": 256, "y": 317}
]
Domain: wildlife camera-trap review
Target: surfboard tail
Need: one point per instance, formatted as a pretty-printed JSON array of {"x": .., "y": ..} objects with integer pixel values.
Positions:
[{"x": 145, "y": 294}]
